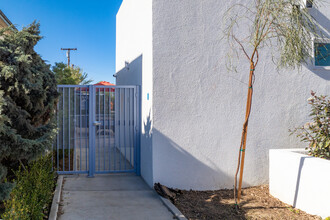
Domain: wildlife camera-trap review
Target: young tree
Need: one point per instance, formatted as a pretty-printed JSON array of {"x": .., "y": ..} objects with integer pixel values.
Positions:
[
  {"x": 70, "y": 75},
  {"x": 283, "y": 25},
  {"x": 29, "y": 97}
]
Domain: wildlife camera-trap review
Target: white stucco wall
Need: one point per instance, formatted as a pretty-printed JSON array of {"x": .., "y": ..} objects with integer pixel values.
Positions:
[
  {"x": 134, "y": 45},
  {"x": 300, "y": 180},
  {"x": 199, "y": 106}
]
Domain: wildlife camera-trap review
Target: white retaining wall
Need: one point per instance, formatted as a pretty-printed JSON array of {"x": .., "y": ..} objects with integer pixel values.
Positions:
[{"x": 300, "y": 180}]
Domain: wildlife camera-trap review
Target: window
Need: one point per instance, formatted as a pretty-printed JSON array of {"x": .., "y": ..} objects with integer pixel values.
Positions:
[
  {"x": 309, "y": 3},
  {"x": 322, "y": 53}
]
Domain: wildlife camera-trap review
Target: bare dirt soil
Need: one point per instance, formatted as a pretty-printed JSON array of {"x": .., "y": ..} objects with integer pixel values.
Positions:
[{"x": 256, "y": 203}]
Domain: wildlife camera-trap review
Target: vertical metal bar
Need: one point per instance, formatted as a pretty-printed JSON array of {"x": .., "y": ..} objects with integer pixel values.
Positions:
[
  {"x": 130, "y": 125},
  {"x": 91, "y": 131},
  {"x": 80, "y": 122},
  {"x": 58, "y": 135},
  {"x": 104, "y": 129},
  {"x": 134, "y": 131},
  {"x": 87, "y": 136},
  {"x": 109, "y": 121},
  {"x": 74, "y": 131},
  {"x": 138, "y": 129},
  {"x": 125, "y": 124},
  {"x": 63, "y": 160},
  {"x": 98, "y": 133},
  {"x": 69, "y": 131},
  {"x": 116, "y": 127},
  {"x": 132, "y": 128},
  {"x": 136, "y": 124},
  {"x": 120, "y": 125}
]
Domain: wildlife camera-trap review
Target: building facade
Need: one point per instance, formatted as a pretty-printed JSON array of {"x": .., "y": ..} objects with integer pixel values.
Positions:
[
  {"x": 193, "y": 108},
  {"x": 4, "y": 21}
]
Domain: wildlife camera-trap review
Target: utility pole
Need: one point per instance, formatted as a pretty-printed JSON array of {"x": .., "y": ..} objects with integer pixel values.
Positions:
[{"x": 68, "y": 53}]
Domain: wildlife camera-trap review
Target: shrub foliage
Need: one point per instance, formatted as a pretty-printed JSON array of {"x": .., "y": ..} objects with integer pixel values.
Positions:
[
  {"x": 29, "y": 97},
  {"x": 317, "y": 132},
  {"x": 70, "y": 75},
  {"x": 33, "y": 191}
]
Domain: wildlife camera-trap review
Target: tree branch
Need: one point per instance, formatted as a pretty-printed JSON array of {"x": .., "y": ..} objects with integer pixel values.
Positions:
[{"x": 241, "y": 47}]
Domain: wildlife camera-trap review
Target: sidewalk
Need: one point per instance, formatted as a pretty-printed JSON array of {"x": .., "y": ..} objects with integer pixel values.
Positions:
[{"x": 115, "y": 197}]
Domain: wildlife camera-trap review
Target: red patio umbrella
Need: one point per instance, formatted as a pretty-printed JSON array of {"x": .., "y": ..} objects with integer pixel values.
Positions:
[
  {"x": 101, "y": 83},
  {"x": 104, "y": 83}
]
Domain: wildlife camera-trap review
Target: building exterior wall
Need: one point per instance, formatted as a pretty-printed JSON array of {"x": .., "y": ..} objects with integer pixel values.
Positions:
[
  {"x": 134, "y": 46},
  {"x": 198, "y": 106},
  {"x": 3, "y": 24},
  {"x": 4, "y": 21}
]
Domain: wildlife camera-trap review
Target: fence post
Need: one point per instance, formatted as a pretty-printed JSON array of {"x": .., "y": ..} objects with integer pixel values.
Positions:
[
  {"x": 91, "y": 129},
  {"x": 137, "y": 127}
]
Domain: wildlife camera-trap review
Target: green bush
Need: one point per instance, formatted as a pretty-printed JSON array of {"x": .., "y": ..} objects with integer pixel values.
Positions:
[
  {"x": 317, "y": 132},
  {"x": 33, "y": 192},
  {"x": 29, "y": 96}
]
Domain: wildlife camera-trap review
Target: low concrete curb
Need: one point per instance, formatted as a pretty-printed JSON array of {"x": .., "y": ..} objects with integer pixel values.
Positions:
[
  {"x": 56, "y": 199},
  {"x": 174, "y": 210}
]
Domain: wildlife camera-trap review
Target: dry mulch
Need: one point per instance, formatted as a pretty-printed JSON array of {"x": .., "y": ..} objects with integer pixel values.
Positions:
[{"x": 256, "y": 203}]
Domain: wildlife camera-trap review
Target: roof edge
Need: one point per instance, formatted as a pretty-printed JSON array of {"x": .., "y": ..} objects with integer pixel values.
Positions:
[{"x": 4, "y": 17}]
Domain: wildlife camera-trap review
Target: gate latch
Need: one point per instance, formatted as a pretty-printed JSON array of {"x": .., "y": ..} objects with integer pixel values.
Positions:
[{"x": 97, "y": 123}]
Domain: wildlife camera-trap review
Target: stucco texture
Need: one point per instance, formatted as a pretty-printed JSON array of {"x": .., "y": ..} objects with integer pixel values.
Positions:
[
  {"x": 193, "y": 108},
  {"x": 199, "y": 106}
]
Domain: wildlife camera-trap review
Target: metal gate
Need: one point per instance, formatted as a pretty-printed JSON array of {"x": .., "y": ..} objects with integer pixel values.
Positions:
[{"x": 97, "y": 130}]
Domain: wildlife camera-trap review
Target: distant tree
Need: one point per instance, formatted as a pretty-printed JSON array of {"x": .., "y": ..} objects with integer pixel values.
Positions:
[
  {"x": 70, "y": 75},
  {"x": 28, "y": 99},
  {"x": 287, "y": 27}
]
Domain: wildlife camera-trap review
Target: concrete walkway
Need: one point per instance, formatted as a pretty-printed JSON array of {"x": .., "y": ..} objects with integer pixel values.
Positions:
[{"x": 115, "y": 197}]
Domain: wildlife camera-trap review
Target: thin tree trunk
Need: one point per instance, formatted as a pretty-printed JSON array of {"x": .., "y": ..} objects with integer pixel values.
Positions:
[{"x": 241, "y": 157}]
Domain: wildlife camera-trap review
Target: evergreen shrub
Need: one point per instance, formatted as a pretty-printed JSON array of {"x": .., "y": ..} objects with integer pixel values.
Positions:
[{"x": 32, "y": 195}]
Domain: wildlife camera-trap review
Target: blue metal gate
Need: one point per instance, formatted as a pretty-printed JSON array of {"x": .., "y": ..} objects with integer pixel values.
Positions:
[{"x": 97, "y": 130}]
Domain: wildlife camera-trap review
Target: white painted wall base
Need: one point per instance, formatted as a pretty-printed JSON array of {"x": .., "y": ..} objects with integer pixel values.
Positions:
[{"x": 300, "y": 180}]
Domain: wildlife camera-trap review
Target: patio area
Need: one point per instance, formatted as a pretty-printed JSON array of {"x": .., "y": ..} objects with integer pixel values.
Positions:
[{"x": 115, "y": 196}]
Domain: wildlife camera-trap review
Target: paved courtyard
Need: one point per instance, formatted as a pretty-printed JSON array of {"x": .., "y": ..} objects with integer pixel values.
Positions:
[{"x": 115, "y": 197}]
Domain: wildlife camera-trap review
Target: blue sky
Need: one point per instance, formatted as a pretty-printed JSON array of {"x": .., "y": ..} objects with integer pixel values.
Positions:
[{"x": 89, "y": 25}]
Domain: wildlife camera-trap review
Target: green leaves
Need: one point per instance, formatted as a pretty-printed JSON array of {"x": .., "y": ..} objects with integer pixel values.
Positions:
[
  {"x": 33, "y": 191},
  {"x": 281, "y": 25},
  {"x": 29, "y": 97},
  {"x": 317, "y": 132},
  {"x": 70, "y": 75}
]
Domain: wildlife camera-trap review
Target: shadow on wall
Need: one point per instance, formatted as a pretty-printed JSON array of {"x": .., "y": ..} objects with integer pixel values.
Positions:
[
  {"x": 319, "y": 71},
  {"x": 146, "y": 152},
  {"x": 175, "y": 167},
  {"x": 301, "y": 164},
  {"x": 323, "y": 22},
  {"x": 131, "y": 74}
]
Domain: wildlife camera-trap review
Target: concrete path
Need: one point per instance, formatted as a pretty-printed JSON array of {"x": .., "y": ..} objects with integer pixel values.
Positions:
[{"x": 115, "y": 197}]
